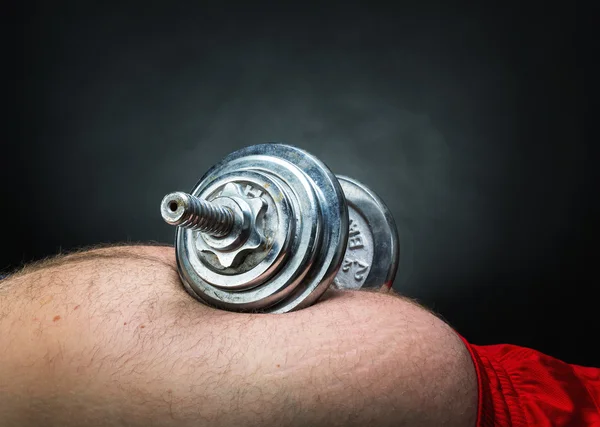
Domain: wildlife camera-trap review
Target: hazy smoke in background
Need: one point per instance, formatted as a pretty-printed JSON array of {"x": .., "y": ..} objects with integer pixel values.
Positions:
[{"x": 159, "y": 120}]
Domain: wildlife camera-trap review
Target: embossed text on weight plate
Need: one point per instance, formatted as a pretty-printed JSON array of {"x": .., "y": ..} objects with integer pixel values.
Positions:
[{"x": 359, "y": 252}]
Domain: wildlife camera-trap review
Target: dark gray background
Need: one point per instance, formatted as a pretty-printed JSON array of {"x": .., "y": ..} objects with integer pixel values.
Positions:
[{"x": 469, "y": 122}]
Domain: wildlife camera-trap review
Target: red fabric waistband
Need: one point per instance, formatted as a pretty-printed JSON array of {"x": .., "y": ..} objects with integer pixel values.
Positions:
[{"x": 521, "y": 387}]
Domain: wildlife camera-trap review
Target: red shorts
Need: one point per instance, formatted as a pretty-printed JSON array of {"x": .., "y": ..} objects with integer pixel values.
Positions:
[{"x": 523, "y": 387}]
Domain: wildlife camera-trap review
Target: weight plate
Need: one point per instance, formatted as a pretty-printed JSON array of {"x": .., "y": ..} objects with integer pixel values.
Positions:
[
  {"x": 372, "y": 254},
  {"x": 316, "y": 246}
]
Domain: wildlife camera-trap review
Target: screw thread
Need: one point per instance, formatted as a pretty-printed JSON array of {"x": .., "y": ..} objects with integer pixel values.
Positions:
[{"x": 192, "y": 213}]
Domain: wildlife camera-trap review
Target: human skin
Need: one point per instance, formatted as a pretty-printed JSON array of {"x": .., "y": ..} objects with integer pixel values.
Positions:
[{"x": 110, "y": 337}]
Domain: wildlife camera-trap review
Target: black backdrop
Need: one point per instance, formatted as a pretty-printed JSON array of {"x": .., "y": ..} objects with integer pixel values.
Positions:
[{"x": 469, "y": 122}]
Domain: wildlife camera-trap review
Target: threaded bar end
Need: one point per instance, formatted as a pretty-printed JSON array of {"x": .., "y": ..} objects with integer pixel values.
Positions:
[{"x": 190, "y": 212}]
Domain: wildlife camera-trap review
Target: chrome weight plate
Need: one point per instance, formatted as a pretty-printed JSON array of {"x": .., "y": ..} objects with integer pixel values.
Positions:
[
  {"x": 372, "y": 254},
  {"x": 287, "y": 238}
]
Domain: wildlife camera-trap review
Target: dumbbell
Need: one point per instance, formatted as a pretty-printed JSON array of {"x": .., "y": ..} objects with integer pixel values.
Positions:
[{"x": 270, "y": 228}]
